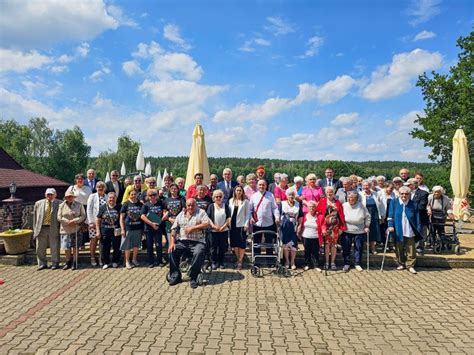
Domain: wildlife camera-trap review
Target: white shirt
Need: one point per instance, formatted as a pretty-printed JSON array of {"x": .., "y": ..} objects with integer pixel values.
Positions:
[
  {"x": 219, "y": 217},
  {"x": 116, "y": 188},
  {"x": 310, "y": 227},
  {"x": 267, "y": 209},
  {"x": 406, "y": 227}
]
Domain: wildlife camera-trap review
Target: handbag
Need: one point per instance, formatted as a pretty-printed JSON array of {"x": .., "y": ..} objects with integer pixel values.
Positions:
[
  {"x": 254, "y": 213},
  {"x": 117, "y": 231}
]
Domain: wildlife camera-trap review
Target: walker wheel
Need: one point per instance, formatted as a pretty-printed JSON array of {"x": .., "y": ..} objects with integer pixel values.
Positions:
[
  {"x": 168, "y": 277},
  {"x": 437, "y": 248},
  {"x": 200, "y": 280},
  {"x": 457, "y": 249},
  {"x": 255, "y": 271}
]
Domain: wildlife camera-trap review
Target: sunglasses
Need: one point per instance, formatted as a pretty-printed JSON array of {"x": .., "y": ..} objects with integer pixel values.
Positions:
[{"x": 218, "y": 196}]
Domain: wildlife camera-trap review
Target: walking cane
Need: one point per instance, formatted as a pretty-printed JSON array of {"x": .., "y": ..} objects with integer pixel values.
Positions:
[
  {"x": 368, "y": 251},
  {"x": 385, "y": 249}
]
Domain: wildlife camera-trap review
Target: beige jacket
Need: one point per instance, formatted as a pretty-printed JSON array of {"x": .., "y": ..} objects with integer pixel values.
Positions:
[
  {"x": 67, "y": 213},
  {"x": 38, "y": 216}
]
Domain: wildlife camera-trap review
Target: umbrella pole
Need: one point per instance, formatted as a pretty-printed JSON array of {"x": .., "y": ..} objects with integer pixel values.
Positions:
[{"x": 385, "y": 249}]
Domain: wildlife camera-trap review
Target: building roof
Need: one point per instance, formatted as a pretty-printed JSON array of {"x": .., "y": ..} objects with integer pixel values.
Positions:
[{"x": 11, "y": 170}]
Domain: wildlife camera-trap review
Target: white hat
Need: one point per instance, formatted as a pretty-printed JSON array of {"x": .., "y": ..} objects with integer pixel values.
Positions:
[{"x": 50, "y": 191}]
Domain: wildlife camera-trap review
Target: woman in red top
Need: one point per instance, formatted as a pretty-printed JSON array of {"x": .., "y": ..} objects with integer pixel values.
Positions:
[{"x": 331, "y": 224}]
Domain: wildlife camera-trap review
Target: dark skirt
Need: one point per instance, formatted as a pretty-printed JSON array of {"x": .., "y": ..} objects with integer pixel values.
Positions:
[
  {"x": 238, "y": 238},
  {"x": 374, "y": 230}
]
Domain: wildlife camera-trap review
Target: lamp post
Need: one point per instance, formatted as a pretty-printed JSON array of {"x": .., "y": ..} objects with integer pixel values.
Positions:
[{"x": 12, "y": 190}]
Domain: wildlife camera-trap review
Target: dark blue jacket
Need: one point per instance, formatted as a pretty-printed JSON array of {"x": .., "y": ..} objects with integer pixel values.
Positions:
[
  {"x": 227, "y": 194},
  {"x": 395, "y": 219}
]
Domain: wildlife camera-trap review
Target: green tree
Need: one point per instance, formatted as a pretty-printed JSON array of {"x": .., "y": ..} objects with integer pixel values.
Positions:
[
  {"x": 68, "y": 155},
  {"x": 449, "y": 102},
  {"x": 15, "y": 139},
  {"x": 41, "y": 140}
]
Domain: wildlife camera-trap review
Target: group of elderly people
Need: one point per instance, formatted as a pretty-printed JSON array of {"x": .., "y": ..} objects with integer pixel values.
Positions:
[{"x": 199, "y": 222}]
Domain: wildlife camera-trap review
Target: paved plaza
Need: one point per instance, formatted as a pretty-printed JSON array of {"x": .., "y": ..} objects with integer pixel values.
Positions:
[{"x": 118, "y": 310}]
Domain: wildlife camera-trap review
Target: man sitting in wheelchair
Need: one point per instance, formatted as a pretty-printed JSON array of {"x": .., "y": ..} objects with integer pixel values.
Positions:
[{"x": 188, "y": 237}]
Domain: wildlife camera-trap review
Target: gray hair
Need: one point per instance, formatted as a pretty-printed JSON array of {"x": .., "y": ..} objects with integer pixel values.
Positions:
[
  {"x": 111, "y": 193},
  {"x": 250, "y": 176},
  {"x": 327, "y": 188},
  {"x": 310, "y": 176},
  {"x": 311, "y": 203},
  {"x": 438, "y": 188},
  {"x": 298, "y": 179},
  {"x": 381, "y": 177},
  {"x": 404, "y": 189},
  {"x": 200, "y": 187},
  {"x": 344, "y": 179},
  {"x": 283, "y": 176},
  {"x": 353, "y": 194}
]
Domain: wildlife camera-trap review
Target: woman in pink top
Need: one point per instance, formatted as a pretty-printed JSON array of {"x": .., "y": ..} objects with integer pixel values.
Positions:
[
  {"x": 280, "y": 190},
  {"x": 251, "y": 187},
  {"x": 311, "y": 192}
]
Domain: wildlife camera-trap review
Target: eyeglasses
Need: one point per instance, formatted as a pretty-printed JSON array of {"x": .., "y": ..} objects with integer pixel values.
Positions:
[
  {"x": 217, "y": 196},
  {"x": 137, "y": 180},
  {"x": 404, "y": 193},
  {"x": 114, "y": 175},
  {"x": 150, "y": 195}
]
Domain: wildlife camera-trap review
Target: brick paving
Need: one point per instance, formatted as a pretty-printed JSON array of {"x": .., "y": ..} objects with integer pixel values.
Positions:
[{"x": 135, "y": 311}]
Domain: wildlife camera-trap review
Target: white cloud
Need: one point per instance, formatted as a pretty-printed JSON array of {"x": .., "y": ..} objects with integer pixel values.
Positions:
[
  {"x": 354, "y": 147},
  {"x": 424, "y": 35},
  {"x": 147, "y": 50},
  {"x": 313, "y": 45},
  {"x": 253, "y": 112},
  {"x": 278, "y": 26},
  {"x": 423, "y": 10},
  {"x": 177, "y": 93},
  {"x": 396, "y": 78},
  {"x": 172, "y": 33},
  {"x": 98, "y": 75},
  {"x": 58, "y": 69},
  {"x": 388, "y": 123},
  {"x": 20, "y": 62},
  {"x": 83, "y": 50},
  {"x": 32, "y": 24},
  {"x": 22, "y": 108},
  {"x": 329, "y": 92},
  {"x": 336, "y": 89},
  {"x": 248, "y": 45},
  {"x": 175, "y": 65},
  {"x": 344, "y": 119},
  {"x": 131, "y": 68}
]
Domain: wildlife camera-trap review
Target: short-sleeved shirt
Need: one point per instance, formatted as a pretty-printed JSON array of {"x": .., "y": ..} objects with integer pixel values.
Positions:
[
  {"x": 174, "y": 205},
  {"x": 133, "y": 213},
  {"x": 110, "y": 216},
  {"x": 156, "y": 208},
  {"x": 182, "y": 221}
]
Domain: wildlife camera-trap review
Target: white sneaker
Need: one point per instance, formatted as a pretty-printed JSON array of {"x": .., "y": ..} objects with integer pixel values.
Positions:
[
  {"x": 326, "y": 266},
  {"x": 93, "y": 263},
  {"x": 346, "y": 268},
  {"x": 318, "y": 269},
  {"x": 293, "y": 267},
  {"x": 106, "y": 266},
  {"x": 358, "y": 268},
  {"x": 400, "y": 267},
  {"x": 114, "y": 265},
  {"x": 333, "y": 267},
  {"x": 306, "y": 268},
  {"x": 287, "y": 266},
  {"x": 128, "y": 265},
  {"x": 135, "y": 263},
  {"x": 412, "y": 270}
]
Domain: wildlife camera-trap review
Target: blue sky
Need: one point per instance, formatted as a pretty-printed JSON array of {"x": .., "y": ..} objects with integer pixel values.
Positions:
[{"x": 275, "y": 79}]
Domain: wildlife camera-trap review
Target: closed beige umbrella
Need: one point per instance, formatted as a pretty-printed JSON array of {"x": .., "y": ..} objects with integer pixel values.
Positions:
[
  {"x": 460, "y": 175},
  {"x": 198, "y": 162}
]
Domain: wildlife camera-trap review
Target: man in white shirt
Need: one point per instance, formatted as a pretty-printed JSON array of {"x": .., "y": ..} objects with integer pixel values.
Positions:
[{"x": 265, "y": 214}]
